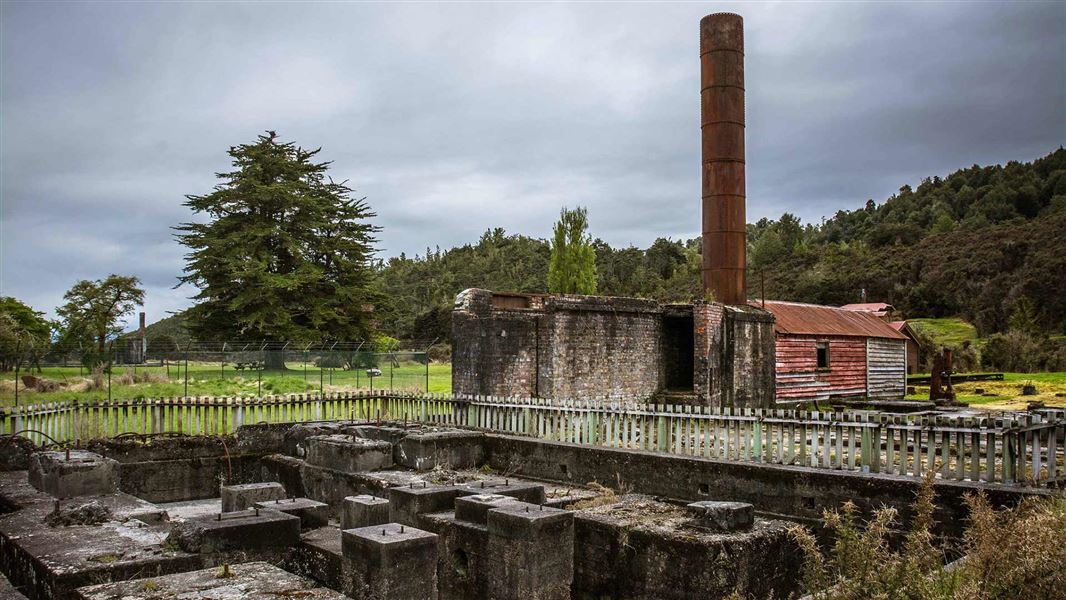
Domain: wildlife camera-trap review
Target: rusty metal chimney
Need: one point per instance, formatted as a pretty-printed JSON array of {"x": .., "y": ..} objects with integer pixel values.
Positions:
[{"x": 722, "y": 125}]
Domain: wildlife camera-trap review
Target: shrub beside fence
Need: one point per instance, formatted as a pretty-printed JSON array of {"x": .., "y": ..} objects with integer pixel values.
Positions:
[{"x": 1021, "y": 448}]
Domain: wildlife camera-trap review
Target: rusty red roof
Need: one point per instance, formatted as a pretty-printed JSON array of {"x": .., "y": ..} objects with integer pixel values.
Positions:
[
  {"x": 814, "y": 319},
  {"x": 869, "y": 306}
]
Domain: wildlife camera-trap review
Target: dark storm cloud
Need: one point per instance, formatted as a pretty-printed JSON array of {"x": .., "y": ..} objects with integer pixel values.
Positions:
[{"x": 455, "y": 118}]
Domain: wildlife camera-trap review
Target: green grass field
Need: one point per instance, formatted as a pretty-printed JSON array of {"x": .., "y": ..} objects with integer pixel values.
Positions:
[
  {"x": 1007, "y": 394},
  {"x": 946, "y": 332},
  {"x": 211, "y": 380}
]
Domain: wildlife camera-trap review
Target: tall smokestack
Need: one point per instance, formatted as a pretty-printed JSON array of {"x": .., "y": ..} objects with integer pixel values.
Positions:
[{"x": 722, "y": 125}]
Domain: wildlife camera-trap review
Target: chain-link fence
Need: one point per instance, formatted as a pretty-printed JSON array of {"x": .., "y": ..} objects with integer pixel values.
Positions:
[{"x": 132, "y": 368}]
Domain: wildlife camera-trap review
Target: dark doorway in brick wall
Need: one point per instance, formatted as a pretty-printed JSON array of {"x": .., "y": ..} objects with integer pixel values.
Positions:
[{"x": 678, "y": 355}]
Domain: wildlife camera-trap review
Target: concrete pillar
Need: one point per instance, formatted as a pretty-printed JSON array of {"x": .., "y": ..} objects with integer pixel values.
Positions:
[
  {"x": 364, "y": 511},
  {"x": 312, "y": 513},
  {"x": 242, "y": 496},
  {"x": 406, "y": 503},
  {"x": 530, "y": 553},
  {"x": 390, "y": 562}
]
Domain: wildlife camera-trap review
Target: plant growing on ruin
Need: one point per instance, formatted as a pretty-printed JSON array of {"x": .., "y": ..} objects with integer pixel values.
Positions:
[
  {"x": 572, "y": 269},
  {"x": 1007, "y": 554},
  {"x": 284, "y": 253}
]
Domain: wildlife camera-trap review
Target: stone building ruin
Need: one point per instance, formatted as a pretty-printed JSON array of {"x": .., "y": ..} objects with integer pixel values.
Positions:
[{"x": 565, "y": 347}]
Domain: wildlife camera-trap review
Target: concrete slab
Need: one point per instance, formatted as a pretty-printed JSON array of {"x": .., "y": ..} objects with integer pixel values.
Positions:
[
  {"x": 723, "y": 516},
  {"x": 180, "y": 511},
  {"x": 347, "y": 453},
  {"x": 248, "y": 581},
  {"x": 73, "y": 473},
  {"x": 526, "y": 491},
  {"x": 475, "y": 508},
  {"x": 240, "y": 497},
  {"x": 440, "y": 447},
  {"x": 383, "y": 433},
  {"x": 312, "y": 513},
  {"x": 242, "y": 530}
]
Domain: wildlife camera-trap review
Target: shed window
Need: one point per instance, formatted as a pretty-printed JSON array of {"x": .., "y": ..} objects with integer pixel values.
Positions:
[{"x": 822, "y": 348}]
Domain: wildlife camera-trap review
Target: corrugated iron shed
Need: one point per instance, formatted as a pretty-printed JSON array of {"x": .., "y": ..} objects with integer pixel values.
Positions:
[
  {"x": 869, "y": 306},
  {"x": 814, "y": 319},
  {"x": 881, "y": 309}
]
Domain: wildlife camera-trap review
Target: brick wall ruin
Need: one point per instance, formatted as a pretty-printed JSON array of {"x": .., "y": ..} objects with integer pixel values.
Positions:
[{"x": 609, "y": 348}]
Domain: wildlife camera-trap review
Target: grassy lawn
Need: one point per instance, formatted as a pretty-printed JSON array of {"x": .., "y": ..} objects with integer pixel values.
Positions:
[
  {"x": 948, "y": 331},
  {"x": 1007, "y": 394},
  {"x": 211, "y": 380}
]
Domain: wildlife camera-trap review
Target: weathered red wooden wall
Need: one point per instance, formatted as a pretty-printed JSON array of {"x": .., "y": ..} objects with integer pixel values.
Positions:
[{"x": 797, "y": 374}]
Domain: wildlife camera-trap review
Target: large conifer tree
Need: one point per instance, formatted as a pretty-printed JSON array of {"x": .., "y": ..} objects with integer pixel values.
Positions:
[{"x": 285, "y": 251}]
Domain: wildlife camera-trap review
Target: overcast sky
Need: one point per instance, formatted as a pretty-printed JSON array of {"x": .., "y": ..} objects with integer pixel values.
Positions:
[{"x": 455, "y": 118}]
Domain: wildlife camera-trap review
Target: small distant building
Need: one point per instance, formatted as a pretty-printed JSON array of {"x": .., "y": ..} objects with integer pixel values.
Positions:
[
  {"x": 880, "y": 310},
  {"x": 912, "y": 344},
  {"x": 824, "y": 353}
]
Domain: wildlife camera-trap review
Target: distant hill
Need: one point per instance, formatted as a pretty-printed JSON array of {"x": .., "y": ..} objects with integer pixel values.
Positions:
[
  {"x": 947, "y": 331},
  {"x": 974, "y": 244},
  {"x": 172, "y": 326}
]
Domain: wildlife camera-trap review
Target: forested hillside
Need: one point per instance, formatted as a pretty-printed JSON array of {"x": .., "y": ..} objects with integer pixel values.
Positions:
[{"x": 976, "y": 243}]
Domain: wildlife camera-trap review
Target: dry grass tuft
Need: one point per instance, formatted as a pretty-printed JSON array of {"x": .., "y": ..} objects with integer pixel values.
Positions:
[
  {"x": 605, "y": 496},
  {"x": 130, "y": 378},
  {"x": 1015, "y": 553}
]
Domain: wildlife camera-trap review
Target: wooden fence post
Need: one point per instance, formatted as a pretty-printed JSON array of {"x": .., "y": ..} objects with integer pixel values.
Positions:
[{"x": 662, "y": 434}]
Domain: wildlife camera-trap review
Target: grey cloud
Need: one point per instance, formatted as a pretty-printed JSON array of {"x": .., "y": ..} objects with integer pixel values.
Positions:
[{"x": 455, "y": 118}]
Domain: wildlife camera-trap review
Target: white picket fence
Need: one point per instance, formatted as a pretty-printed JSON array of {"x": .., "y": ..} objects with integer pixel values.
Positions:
[{"x": 1012, "y": 448}]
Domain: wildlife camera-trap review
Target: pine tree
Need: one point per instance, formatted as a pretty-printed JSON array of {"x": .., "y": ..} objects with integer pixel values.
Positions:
[
  {"x": 285, "y": 254},
  {"x": 572, "y": 269}
]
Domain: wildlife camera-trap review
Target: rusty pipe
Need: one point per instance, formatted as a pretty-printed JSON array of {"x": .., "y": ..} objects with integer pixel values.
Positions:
[{"x": 722, "y": 128}]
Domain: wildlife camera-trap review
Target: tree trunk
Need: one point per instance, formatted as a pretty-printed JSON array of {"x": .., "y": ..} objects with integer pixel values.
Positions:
[{"x": 274, "y": 361}]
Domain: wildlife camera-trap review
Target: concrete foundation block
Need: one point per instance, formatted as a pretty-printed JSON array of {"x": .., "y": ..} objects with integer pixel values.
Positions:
[
  {"x": 312, "y": 513},
  {"x": 77, "y": 473},
  {"x": 381, "y": 433},
  {"x": 240, "y": 497},
  {"x": 461, "y": 548},
  {"x": 391, "y": 562},
  {"x": 348, "y": 454},
  {"x": 247, "y": 581},
  {"x": 242, "y": 530},
  {"x": 723, "y": 516},
  {"x": 407, "y": 502},
  {"x": 295, "y": 436},
  {"x": 475, "y": 509},
  {"x": 526, "y": 491},
  {"x": 456, "y": 449},
  {"x": 530, "y": 553},
  {"x": 364, "y": 511}
]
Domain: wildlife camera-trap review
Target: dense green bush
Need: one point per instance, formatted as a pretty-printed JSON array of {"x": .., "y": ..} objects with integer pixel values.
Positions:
[{"x": 1023, "y": 352}]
